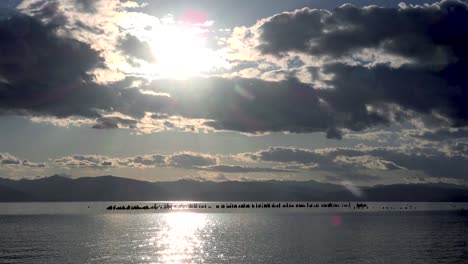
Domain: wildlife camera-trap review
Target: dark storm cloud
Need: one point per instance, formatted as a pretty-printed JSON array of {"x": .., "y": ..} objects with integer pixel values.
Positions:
[
  {"x": 430, "y": 161},
  {"x": 36, "y": 68},
  {"x": 361, "y": 96},
  {"x": 434, "y": 38},
  {"x": 428, "y": 34},
  {"x": 416, "y": 88},
  {"x": 133, "y": 47},
  {"x": 45, "y": 74},
  {"x": 248, "y": 105}
]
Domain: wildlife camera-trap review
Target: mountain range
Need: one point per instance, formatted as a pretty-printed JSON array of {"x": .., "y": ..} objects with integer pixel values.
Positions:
[{"x": 111, "y": 188}]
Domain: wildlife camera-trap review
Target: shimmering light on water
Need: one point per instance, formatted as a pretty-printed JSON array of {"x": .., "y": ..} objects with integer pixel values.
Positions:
[
  {"x": 181, "y": 236},
  {"x": 234, "y": 236}
]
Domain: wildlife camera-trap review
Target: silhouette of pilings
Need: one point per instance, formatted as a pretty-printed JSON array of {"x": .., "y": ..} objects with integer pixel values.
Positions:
[{"x": 250, "y": 205}]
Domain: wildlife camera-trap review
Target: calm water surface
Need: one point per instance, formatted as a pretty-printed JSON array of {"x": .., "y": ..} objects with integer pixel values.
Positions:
[{"x": 74, "y": 233}]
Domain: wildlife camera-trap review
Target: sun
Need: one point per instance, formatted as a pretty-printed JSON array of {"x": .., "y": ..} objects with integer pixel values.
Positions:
[{"x": 181, "y": 52}]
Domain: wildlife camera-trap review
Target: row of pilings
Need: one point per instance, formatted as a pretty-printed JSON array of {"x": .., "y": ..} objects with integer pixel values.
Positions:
[{"x": 253, "y": 205}]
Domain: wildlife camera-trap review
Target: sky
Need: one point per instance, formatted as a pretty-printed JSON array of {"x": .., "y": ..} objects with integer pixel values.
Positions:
[{"x": 361, "y": 92}]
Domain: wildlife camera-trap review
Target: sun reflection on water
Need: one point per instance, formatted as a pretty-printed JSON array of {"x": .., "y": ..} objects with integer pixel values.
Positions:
[{"x": 181, "y": 239}]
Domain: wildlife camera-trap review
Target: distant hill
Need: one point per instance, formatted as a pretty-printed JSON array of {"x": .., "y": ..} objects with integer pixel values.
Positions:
[
  {"x": 11, "y": 195},
  {"x": 111, "y": 188},
  {"x": 104, "y": 188}
]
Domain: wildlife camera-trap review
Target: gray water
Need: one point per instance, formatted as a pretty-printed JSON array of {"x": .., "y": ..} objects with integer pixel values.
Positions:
[{"x": 74, "y": 233}]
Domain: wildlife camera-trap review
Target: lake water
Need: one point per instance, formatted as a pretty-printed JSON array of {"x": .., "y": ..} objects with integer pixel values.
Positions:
[{"x": 76, "y": 233}]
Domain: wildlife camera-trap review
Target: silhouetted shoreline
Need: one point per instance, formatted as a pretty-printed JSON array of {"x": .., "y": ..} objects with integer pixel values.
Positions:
[{"x": 251, "y": 205}]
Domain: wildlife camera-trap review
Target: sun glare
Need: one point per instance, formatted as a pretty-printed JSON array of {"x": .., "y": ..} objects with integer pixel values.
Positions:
[{"x": 182, "y": 52}]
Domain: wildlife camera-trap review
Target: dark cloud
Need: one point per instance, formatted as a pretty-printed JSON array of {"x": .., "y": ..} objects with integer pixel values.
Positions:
[
  {"x": 133, "y": 47},
  {"x": 36, "y": 68},
  {"x": 433, "y": 38},
  {"x": 429, "y": 34},
  {"x": 244, "y": 169},
  {"x": 150, "y": 160},
  {"x": 359, "y": 97},
  {"x": 285, "y": 155},
  {"x": 409, "y": 87},
  {"x": 333, "y": 132},
  {"x": 114, "y": 122},
  {"x": 461, "y": 147},
  {"x": 44, "y": 73},
  {"x": 10, "y": 161},
  {"x": 191, "y": 160},
  {"x": 431, "y": 161},
  {"x": 159, "y": 116},
  {"x": 80, "y": 25},
  {"x": 443, "y": 134},
  {"x": 248, "y": 105},
  {"x": 7, "y": 159},
  {"x": 168, "y": 124},
  {"x": 106, "y": 163},
  {"x": 49, "y": 75},
  {"x": 86, "y": 6},
  {"x": 48, "y": 12}
]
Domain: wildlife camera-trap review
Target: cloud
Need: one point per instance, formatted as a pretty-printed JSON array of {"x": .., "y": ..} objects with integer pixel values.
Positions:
[
  {"x": 248, "y": 105},
  {"x": 36, "y": 70},
  {"x": 38, "y": 80},
  {"x": 244, "y": 169},
  {"x": 148, "y": 160},
  {"x": 186, "y": 160},
  {"x": 285, "y": 155},
  {"x": 443, "y": 134},
  {"x": 366, "y": 161},
  {"x": 427, "y": 34},
  {"x": 110, "y": 122},
  {"x": 86, "y": 161},
  {"x": 373, "y": 65},
  {"x": 191, "y": 160},
  {"x": 429, "y": 82},
  {"x": 7, "y": 159},
  {"x": 431, "y": 161},
  {"x": 132, "y": 46},
  {"x": 182, "y": 160},
  {"x": 87, "y": 6},
  {"x": 371, "y": 95},
  {"x": 462, "y": 148}
]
